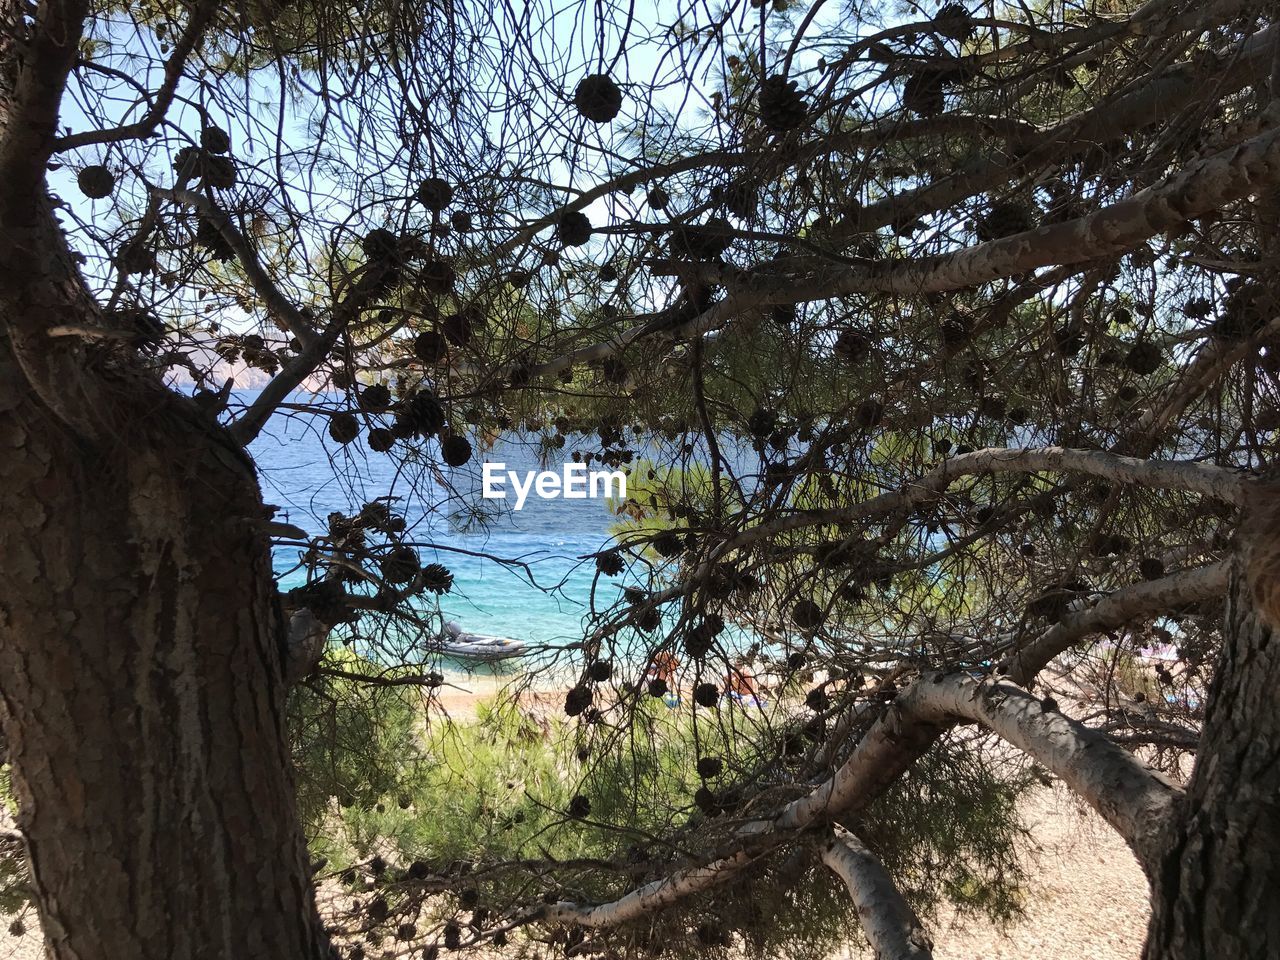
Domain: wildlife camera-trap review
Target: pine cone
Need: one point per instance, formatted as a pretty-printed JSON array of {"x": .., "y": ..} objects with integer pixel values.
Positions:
[
  {"x": 610, "y": 563},
  {"x": 422, "y": 415},
  {"x": 924, "y": 93},
  {"x": 706, "y": 694},
  {"x": 436, "y": 276},
  {"x": 458, "y": 328},
  {"x": 430, "y": 347},
  {"x": 400, "y": 565},
  {"x": 380, "y": 245},
  {"x": 435, "y": 194},
  {"x": 613, "y": 370},
  {"x": 380, "y": 439},
  {"x": 96, "y": 182},
  {"x": 375, "y": 398},
  {"x": 188, "y": 162},
  {"x": 953, "y": 21},
  {"x": 851, "y": 346},
  {"x": 709, "y": 767},
  {"x": 1144, "y": 358},
  {"x": 667, "y": 544},
  {"x": 215, "y": 140},
  {"x": 707, "y": 241},
  {"x": 436, "y": 578},
  {"x": 344, "y": 427},
  {"x": 597, "y": 98},
  {"x": 218, "y": 172},
  {"x": 782, "y": 107},
  {"x": 1004, "y": 219},
  {"x": 574, "y": 229},
  {"x": 1250, "y": 304},
  {"x": 211, "y": 238},
  {"x": 455, "y": 450},
  {"x": 806, "y": 615},
  {"x": 742, "y": 199},
  {"x": 762, "y": 422},
  {"x": 577, "y": 700}
]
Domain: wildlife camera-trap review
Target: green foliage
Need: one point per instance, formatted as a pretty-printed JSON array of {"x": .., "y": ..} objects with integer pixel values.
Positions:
[
  {"x": 490, "y": 818},
  {"x": 354, "y": 744},
  {"x": 15, "y": 890},
  {"x": 949, "y": 831}
]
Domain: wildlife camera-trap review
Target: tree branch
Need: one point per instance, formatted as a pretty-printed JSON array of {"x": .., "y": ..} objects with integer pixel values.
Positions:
[
  {"x": 290, "y": 376},
  {"x": 1134, "y": 799},
  {"x": 1200, "y": 188},
  {"x": 187, "y": 43},
  {"x": 1205, "y": 479},
  {"x": 38, "y": 69},
  {"x": 651, "y": 898},
  {"x": 1174, "y": 89},
  {"x": 1140, "y": 601},
  {"x": 272, "y": 296},
  {"x": 891, "y": 926},
  {"x": 909, "y": 726}
]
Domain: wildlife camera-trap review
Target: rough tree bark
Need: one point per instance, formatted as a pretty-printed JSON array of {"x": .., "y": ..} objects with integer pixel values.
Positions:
[
  {"x": 1218, "y": 892},
  {"x": 140, "y": 646},
  {"x": 143, "y": 695},
  {"x": 141, "y": 642}
]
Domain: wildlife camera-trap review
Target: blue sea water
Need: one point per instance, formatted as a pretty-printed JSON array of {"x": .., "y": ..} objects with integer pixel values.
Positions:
[{"x": 308, "y": 476}]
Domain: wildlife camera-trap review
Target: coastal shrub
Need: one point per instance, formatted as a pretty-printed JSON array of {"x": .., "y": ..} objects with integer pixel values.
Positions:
[
  {"x": 496, "y": 818},
  {"x": 354, "y": 743}
]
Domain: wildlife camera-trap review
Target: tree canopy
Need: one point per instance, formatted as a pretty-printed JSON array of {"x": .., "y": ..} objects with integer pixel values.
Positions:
[{"x": 939, "y": 345}]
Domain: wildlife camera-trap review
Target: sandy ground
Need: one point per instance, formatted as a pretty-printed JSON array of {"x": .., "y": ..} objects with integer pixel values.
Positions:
[
  {"x": 1088, "y": 899},
  {"x": 1088, "y": 902}
]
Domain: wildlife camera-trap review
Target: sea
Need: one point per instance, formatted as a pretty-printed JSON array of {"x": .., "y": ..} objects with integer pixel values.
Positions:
[{"x": 543, "y": 602}]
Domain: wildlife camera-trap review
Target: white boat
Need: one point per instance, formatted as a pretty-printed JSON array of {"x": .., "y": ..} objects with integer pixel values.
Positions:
[{"x": 453, "y": 641}]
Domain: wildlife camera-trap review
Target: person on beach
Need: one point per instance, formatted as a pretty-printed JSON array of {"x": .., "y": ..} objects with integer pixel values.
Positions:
[
  {"x": 741, "y": 683},
  {"x": 664, "y": 668}
]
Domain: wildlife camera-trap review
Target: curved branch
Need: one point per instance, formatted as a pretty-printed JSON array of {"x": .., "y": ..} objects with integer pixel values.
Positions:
[
  {"x": 1217, "y": 482},
  {"x": 1163, "y": 96},
  {"x": 187, "y": 43},
  {"x": 1211, "y": 362},
  {"x": 891, "y": 926},
  {"x": 1140, "y": 601},
  {"x": 1134, "y": 799},
  {"x": 1205, "y": 479},
  {"x": 272, "y": 296},
  {"x": 893, "y": 743},
  {"x": 909, "y": 726},
  {"x": 1200, "y": 188},
  {"x": 1173, "y": 90},
  {"x": 1204, "y": 186},
  {"x": 650, "y": 898}
]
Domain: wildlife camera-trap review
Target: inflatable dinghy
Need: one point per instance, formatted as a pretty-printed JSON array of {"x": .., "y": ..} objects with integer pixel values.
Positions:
[{"x": 453, "y": 641}]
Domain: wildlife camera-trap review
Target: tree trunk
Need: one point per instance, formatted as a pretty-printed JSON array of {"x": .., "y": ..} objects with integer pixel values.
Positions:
[
  {"x": 1218, "y": 893},
  {"x": 141, "y": 666}
]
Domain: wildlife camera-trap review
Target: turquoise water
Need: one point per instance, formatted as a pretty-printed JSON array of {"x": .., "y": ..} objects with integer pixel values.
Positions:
[{"x": 551, "y": 536}]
